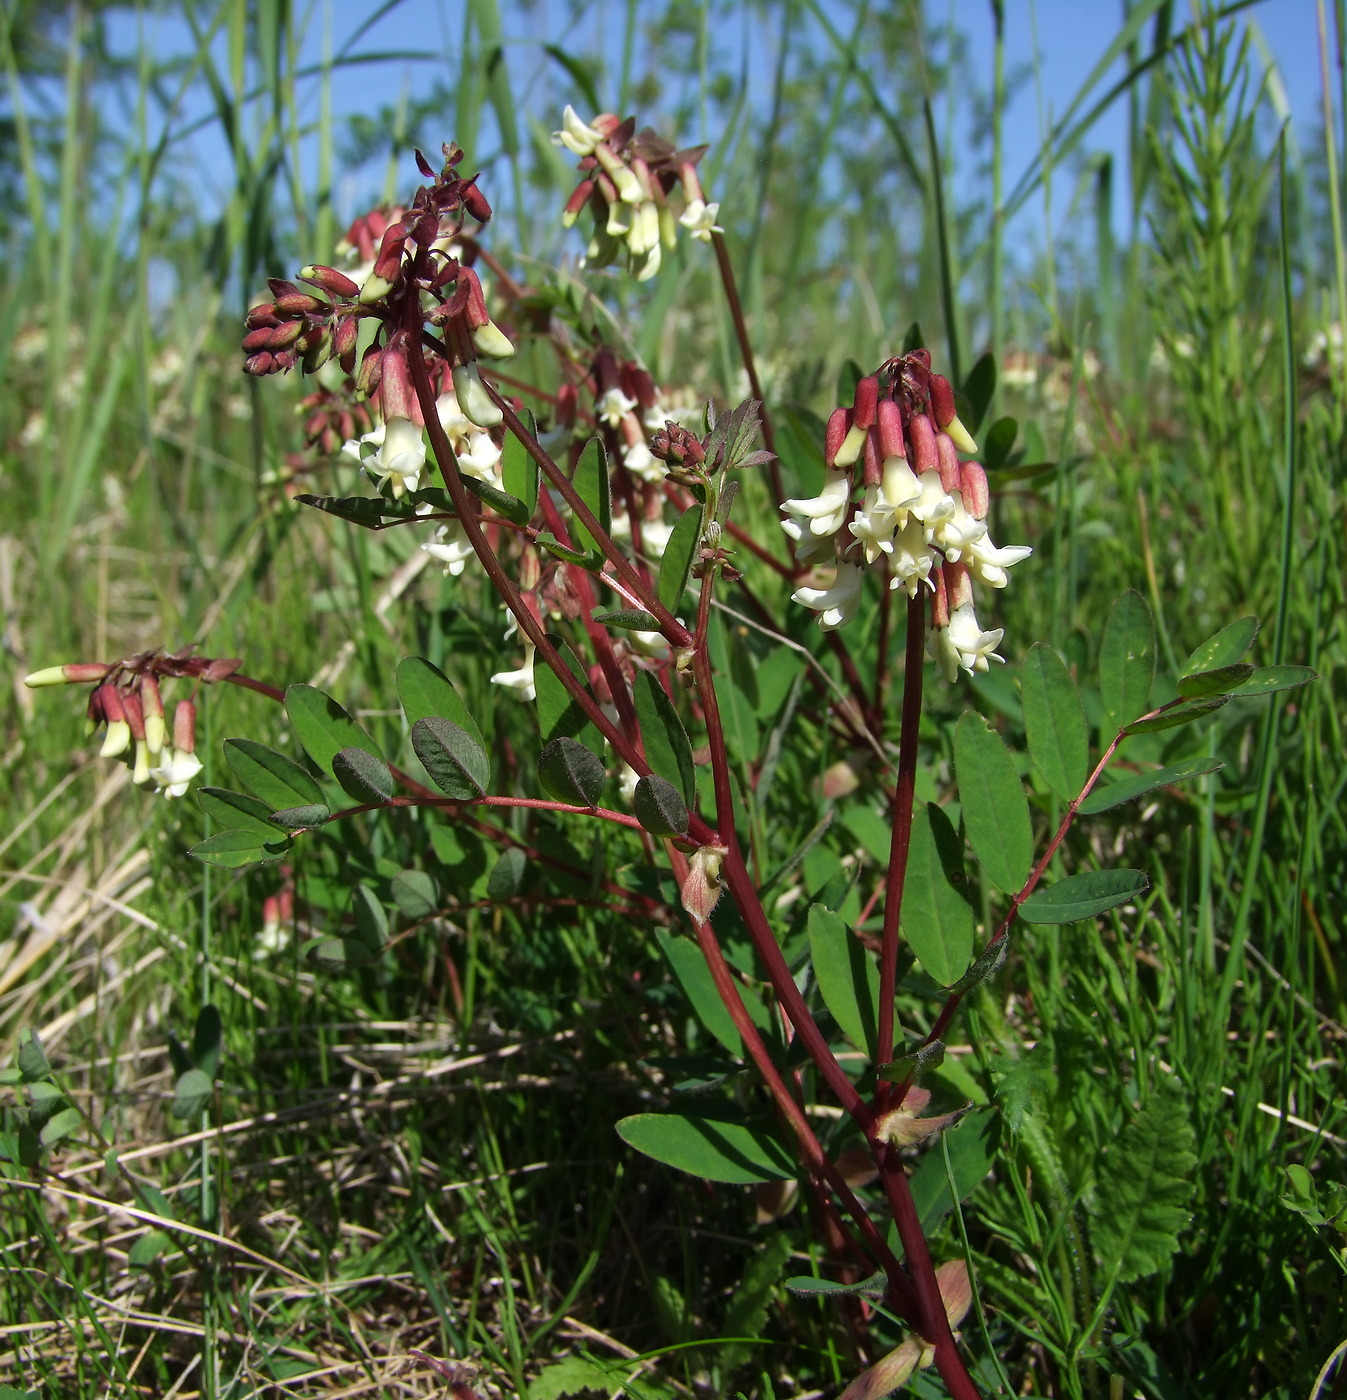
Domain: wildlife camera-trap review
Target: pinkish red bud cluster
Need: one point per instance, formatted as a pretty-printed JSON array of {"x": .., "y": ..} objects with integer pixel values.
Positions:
[
  {"x": 680, "y": 448},
  {"x": 296, "y": 327}
]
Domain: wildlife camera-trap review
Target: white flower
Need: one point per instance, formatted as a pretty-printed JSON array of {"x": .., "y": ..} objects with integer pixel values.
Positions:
[
  {"x": 639, "y": 461},
  {"x": 912, "y": 559},
  {"x": 826, "y": 511},
  {"x": 988, "y": 564},
  {"x": 836, "y": 605},
  {"x": 699, "y": 218},
  {"x": 655, "y": 535},
  {"x": 810, "y": 549},
  {"x": 450, "y": 546},
  {"x": 650, "y": 644},
  {"x": 577, "y": 136},
  {"x": 873, "y": 525},
  {"x": 627, "y": 779},
  {"x": 899, "y": 487},
  {"x": 477, "y": 405},
  {"x": 395, "y": 451},
  {"x": 521, "y": 681},
  {"x": 963, "y": 644},
  {"x": 957, "y": 531},
  {"x": 934, "y": 504},
  {"x": 174, "y": 773},
  {"x": 613, "y": 406}
]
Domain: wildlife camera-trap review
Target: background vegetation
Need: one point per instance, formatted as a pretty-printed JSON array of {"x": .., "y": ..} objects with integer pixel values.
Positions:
[{"x": 422, "y": 1156}]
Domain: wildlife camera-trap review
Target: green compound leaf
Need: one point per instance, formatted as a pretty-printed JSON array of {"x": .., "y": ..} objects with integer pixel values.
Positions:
[
  {"x": 991, "y": 798},
  {"x": 207, "y": 1039},
  {"x": 847, "y": 977},
  {"x": 998, "y": 442},
  {"x": 1267, "y": 679},
  {"x": 1084, "y": 895},
  {"x": 668, "y": 751},
  {"x": 425, "y": 691},
  {"x": 978, "y": 390},
  {"x": 1142, "y": 1191},
  {"x": 1226, "y": 648},
  {"x": 458, "y": 765},
  {"x": 232, "y": 850},
  {"x": 271, "y": 777},
  {"x": 713, "y": 1148},
  {"x": 338, "y": 955},
  {"x": 937, "y": 918},
  {"x": 236, "y": 811},
  {"x": 323, "y": 728},
  {"x": 33, "y": 1063},
  {"x": 1178, "y": 714},
  {"x": 1218, "y": 682},
  {"x": 363, "y": 776},
  {"x": 571, "y": 773},
  {"x": 1127, "y": 659},
  {"x": 660, "y": 807},
  {"x": 675, "y": 566},
  {"x": 519, "y": 472},
  {"x": 562, "y": 551},
  {"x": 592, "y": 483},
  {"x": 1115, "y": 794},
  {"x": 1054, "y": 722}
]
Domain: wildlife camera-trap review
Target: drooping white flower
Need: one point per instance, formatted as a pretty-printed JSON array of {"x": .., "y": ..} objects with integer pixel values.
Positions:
[
  {"x": 934, "y": 504},
  {"x": 826, "y": 511},
  {"x": 810, "y": 549},
  {"x": 477, "y": 405},
  {"x": 988, "y": 564},
  {"x": 899, "y": 486},
  {"x": 963, "y": 644},
  {"x": 478, "y": 456},
  {"x": 836, "y": 605},
  {"x": 956, "y": 532},
  {"x": 613, "y": 406},
  {"x": 699, "y": 218},
  {"x": 521, "y": 680},
  {"x": 874, "y": 524},
  {"x": 175, "y": 772},
  {"x": 450, "y": 546},
  {"x": 911, "y": 559},
  {"x": 393, "y": 451}
]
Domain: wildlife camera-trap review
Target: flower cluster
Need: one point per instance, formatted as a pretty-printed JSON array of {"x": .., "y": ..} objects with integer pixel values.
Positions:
[
  {"x": 415, "y": 259},
  {"x": 127, "y": 702},
  {"x": 628, "y": 178},
  {"x": 922, "y": 516}
]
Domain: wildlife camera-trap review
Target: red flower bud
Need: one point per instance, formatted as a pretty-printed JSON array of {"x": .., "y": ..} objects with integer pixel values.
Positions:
[
  {"x": 949, "y": 461},
  {"x": 334, "y": 283},
  {"x": 839, "y": 422},
  {"x": 475, "y": 202},
  {"x": 261, "y": 363},
  {"x": 263, "y": 314},
  {"x": 258, "y": 339},
  {"x": 890, "y": 420},
  {"x": 299, "y": 304},
  {"x": 973, "y": 488},
  {"x": 921, "y": 437},
  {"x": 866, "y": 401},
  {"x": 942, "y": 400},
  {"x": 344, "y": 339},
  {"x": 874, "y": 463}
]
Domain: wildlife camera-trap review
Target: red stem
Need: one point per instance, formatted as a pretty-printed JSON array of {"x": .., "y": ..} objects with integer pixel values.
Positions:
[{"x": 903, "y": 796}]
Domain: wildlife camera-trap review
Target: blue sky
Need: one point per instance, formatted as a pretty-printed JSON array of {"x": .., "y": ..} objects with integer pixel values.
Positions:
[{"x": 1067, "y": 38}]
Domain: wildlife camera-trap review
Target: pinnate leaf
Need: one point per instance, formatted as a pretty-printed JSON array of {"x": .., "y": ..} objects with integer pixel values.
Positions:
[
  {"x": 1226, "y": 648},
  {"x": 1115, "y": 794},
  {"x": 667, "y": 749},
  {"x": 660, "y": 807},
  {"x": 425, "y": 691},
  {"x": 363, "y": 776},
  {"x": 1143, "y": 1188},
  {"x": 323, "y": 727},
  {"x": 675, "y": 565}
]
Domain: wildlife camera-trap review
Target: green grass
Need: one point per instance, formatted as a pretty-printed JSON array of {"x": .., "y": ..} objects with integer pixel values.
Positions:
[{"x": 421, "y": 1155}]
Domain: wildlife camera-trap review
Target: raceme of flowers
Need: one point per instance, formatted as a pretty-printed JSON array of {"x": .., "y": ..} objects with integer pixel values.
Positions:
[
  {"x": 921, "y": 520},
  {"x": 628, "y": 178},
  {"x": 127, "y": 704}
]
